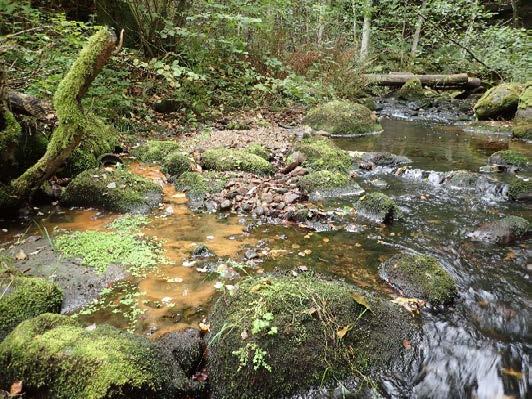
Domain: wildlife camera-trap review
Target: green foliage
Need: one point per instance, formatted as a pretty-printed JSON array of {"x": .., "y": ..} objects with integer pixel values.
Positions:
[
  {"x": 519, "y": 187},
  {"x": 225, "y": 159},
  {"x": 176, "y": 163},
  {"x": 129, "y": 223}
]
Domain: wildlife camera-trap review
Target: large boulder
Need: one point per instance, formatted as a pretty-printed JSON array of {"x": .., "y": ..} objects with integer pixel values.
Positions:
[
  {"x": 499, "y": 102},
  {"x": 520, "y": 189},
  {"x": 522, "y": 124},
  {"x": 503, "y": 231},
  {"x": 24, "y": 297},
  {"x": 508, "y": 158},
  {"x": 378, "y": 207},
  {"x": 56, "y": 357},
  {"x": 114, "y": 190},
  {"x": 226, "y": 159},
  {"x": 323, "y": 154},
  {"x": 342, "y": 117},
  {"x": 419, "y": 276},
  {"x": 412, "y": 90},
  {"x": 279, "y": 336}
]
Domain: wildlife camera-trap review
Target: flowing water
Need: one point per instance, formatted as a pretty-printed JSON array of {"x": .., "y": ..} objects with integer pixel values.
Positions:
[{"x": 477, "y": 348}]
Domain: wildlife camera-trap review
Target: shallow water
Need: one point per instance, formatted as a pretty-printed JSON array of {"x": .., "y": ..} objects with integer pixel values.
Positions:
[{"x": 477, "y": 348}]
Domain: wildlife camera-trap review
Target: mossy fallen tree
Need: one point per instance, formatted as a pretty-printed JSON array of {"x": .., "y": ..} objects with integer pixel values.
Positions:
[{"x": 73, "y": 122}]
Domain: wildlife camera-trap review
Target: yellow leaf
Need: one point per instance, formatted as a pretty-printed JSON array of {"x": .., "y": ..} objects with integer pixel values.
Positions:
[
  {"x": 341, "y": 332},
  {"x": 361, "y": 300}
]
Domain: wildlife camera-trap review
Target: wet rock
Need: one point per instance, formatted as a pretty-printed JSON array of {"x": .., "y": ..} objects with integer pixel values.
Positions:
[
  {"x": 504, "y": 231},
  {"x": 520, "y": 189},
  {"x": 185, "y": 347},
  {"x": 522, "y": 124},
  {"x": 361, "y": 332},
  {"x": 202, "y": 251},
  {"x": 419, "y": 276},
  {"x": 251, "y": 254},
  {"x": 24, "y": 297},
  {"x": 379, "y": 183},
  {"x": 508, "y": 158},
  {"x": 342, "y": 117},
  {"x": 378, "y": 158},
  {"x": 500, "y": 102},
  {"x": 55, "y": 356},
  {"x": 225, "y": 205},
  {"x": 322, "y": 179},
  {"x": 94, "y": 188},
  {"x": 378, "y": 207},
  {"x": 462, "y": 179},
  {"x": 290, "y": 197}
]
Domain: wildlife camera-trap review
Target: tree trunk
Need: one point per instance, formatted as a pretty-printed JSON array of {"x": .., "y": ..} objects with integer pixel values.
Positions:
[
  {"x": 366, "y": 32},
  {"x": 72, "y": 120},
  {"x": 417, "y": 33}
]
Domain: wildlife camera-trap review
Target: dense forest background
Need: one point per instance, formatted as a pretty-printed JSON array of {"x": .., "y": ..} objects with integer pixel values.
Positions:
[{"x": 201, "y": 59}]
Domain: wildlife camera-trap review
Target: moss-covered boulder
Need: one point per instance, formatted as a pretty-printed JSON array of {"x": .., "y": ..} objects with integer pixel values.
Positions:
[
  {"x": 259, "y": 150},
  {"x": 24, "y": 297},
  {"x": 278, "y": 336},
  {"x": 155, "y": 150},
  {"x": 322, "y": 179},
  {"x": 323, "y": 154},
  {"x": 225, "y": 159},
  {"x": 112, "y": 189},
  {"x": 56, "y": 357},
  {"x": 378, "y": 207},
  {"x": 419, "y": 276},
  {"x": 522, "y": 124},
  {"x": 412, "y": 90},
  {"x": 520, "y": 189},
  {"x": 196, "y": 183},
  {"x": 499, "y": 102},
  {"x": 342, "y": 117},
  {"x": 176, "y": 163},
  {"x": 503, "y": 231},
  {"x": 508, "y": 158}
]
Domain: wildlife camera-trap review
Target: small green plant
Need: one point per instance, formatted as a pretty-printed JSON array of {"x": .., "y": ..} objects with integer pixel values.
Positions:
[{"x": 258, "y": 359}]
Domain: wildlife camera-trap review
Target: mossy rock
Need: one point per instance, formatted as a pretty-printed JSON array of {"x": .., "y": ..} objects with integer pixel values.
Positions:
[
  {"x": 24, "y": 297},
  {"x": 259, "y": 150},
  {"x": 412, "y": 90},
  {"x": 522, "y": 129},
  {"x": 226, "y": 159},
  {"x": 8, "y": 202},
  {"x": 56, "y": 357},
  {"x": 508, "y": 158},
  {"x": 279, "y": 336},
  {"x": 342, "y": 117},
  {"x": 522, "y": 124},
  {"x": 196, "y": 183},
  {"x": 462, "y": 179},
  {"x": 322, "y": 179},
  {"x": 155, "y": 150},
  {"x": 114, "y": 190},
  {"x": 520, "y": 189},
  {"x": 378, "y": 207},
  {"x": 79, "y": 161},
  {"x": 176, "y": 163},
  {"x": 503, "y": 231},
  {"x": 323, "y": 154},
  {"x": 499, "y": 102},
  {"x": 419, "y": 276}
]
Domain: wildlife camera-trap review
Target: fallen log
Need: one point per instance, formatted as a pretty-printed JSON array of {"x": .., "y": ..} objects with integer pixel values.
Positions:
[
  {"x": 24, "y": 104},
  {"x": 453, "y": 81}
]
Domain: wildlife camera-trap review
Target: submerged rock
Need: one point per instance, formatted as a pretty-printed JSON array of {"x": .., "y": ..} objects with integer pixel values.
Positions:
[
  {"x": 378, "y": 207},
  {"x": 342, "y": 117},
  {"x": 504, "y": 231},
  {"x": 520, "y": 189},
  {"x": 226, "y": 159},
  {"x": 57, "y": 357},
  {"x": 114, "y": 190},
  {"x": 419, "y": 276},
  {"x": 24, "y": 297},
  {"x": 508, "y": 158},
  {"x": 278, "y": 336},
  {"x": 500, "y": 102}
]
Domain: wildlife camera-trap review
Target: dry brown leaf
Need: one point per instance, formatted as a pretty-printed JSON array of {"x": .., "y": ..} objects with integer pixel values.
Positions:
[
  {"x": 16, "y": 388},
  {"x": 512, "y": 373}
]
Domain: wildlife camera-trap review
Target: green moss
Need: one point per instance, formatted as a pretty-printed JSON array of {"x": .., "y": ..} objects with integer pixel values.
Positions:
[
  {"x": 519, "y": 188},
  {"x": 259, "y": 150},
  {"x": 201, "y": 183},
  {"x": 24, "y": 297},
  {"x": 412, "y": 90},
  {"x": 100, "y": 249},
  {"x": 116, "y": 190},
  {"x": 522, "y": 130},
  {"x": 129, "y": 223},
  {"x": 518, "y": 226},
  {"x": 57, "y": 357},
  {"x": 155, "y": 150},
  {"x": 378, "y": 207},
  {"x": 342, "y": 117},
  {"x": 176, "y": 163},
  {"x": 498, "y": 102},
  {"x": 10, "y": 134},
  {"x": 323, "y": 154},
  {"x": 522, "y": 124},
  {"x": 277, "y": 336},
  {"x": 322, "y": 179},
  {"x": 79, "y": 161},
  {"x": 508, "y": 157},
  {"x": 225, "y": 159},
  {"x": 525, "y": 99},
  {"x": 420, "y": 276}
]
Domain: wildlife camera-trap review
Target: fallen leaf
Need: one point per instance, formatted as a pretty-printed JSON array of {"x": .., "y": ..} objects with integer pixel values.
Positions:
[
  {"x": 244, "y": 335},
  {"x": 341, "y": 332},
  {"x": 510, "y": 255},
  {"x": 204, "y": 327},
  {"x": 21, "y": 255},
  {"x": 16, "y": 388},
  {"x": 326, "y": 239},
  {"x": 361, "y": 300},
  {"x": 413, "y": 305},
  {"x": 175, "y": 280}
]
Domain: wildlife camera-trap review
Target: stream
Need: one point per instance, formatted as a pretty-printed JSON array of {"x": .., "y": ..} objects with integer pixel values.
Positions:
[{"x": 477, "y": 348}]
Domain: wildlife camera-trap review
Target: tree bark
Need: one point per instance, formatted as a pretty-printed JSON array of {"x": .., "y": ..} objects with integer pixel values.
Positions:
[
  {"x": 72, "y": 119},
  {"x": 366, "y": 32},
  {"x": 417, "y": 33},
  {"x": 25, "y": 104}
]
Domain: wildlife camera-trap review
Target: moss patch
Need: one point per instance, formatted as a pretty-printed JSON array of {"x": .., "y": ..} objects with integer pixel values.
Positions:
[
  {"x": 259, "y": 150},
  {"x": 57, "y": 357},
  {"x": 508, "y": 157},
  {"x": 519, "y": 188},
  {"x": 114, "y": 190},
  {"x": 155, "y": 150},
  {"x": 225, "y": 159},
  {"x": 342, "y": 117},
  {"x": 499, "y": 102},
  {"x": 24, "y": 297},
  {"x": 176, "y": 163},
  {"x": 201, "y": 183},
  {"x": 129, "y": 223},
  {"x": 323, "y": 154},
  {"x": 100, "y": 249},
  {"x": 322, "y": 179},
  {"x": 412, "y": 90},
  {"x": 378, "y": 207},
  {"x": 522, "y": 124},
  {"x": 277, "y": 336},
  {"x": 419, "y": 276}
]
